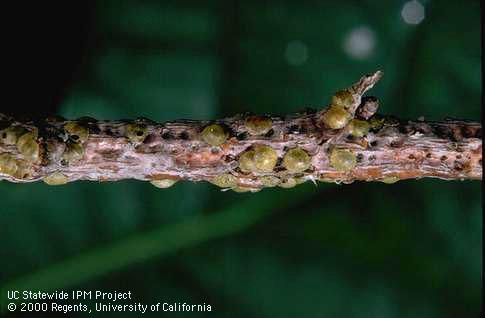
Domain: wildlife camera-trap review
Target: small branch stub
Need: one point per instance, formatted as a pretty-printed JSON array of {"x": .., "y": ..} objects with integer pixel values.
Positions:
[{"x": 344, "y": 142}]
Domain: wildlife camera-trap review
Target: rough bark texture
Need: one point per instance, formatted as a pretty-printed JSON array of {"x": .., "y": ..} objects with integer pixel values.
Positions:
[{"x": 392, "y": 149}]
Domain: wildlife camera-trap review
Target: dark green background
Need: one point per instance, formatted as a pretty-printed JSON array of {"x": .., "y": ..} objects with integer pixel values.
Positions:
[{"x": 412, "y": 249}]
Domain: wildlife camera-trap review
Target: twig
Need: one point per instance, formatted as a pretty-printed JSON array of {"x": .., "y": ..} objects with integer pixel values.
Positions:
[{"x": 344, "y": 142}]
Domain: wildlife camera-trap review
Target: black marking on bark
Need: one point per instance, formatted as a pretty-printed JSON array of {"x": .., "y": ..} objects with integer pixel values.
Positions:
[
  {"x": 270, "y": 133},
  {"x": 184, "y": 135},
  {"x": 167, "y": 135},
  {"x": 242, "y": 136}
]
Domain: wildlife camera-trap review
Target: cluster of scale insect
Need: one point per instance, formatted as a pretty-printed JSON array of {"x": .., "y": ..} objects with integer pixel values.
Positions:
[
  {"x": 76, "y": 135},
  {"x": 27, "y": 143},
  {"x": 339, "y": 115},
  {"x": 27, "y": 146},
  {"x": 259, "y": 159}
]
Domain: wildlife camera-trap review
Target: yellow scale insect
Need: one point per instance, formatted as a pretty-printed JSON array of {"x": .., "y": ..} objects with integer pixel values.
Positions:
[
  {"x": 225, "y": 180},
  {"x": 163, "y": 183},
  {"x": 214, "y": 135},
  {"x": 73, "y": 152},
  {"x": 390, "y": 179},
  {"x": 56, "y": 178},
  {"x": 76, "y": 132},
  {"x": 265, "y": 158},
  {"x": 342, "y": 159},
  {"x": 27, "y": 145},
  {"x": 343, "y": 99},
  {"x": 10, "y": 135},
  {"x": 296, "y": 160},
  {"x": 246, "y": 161},
  {"x": 358, "y": 128},
  {"x": 136, "y": 132},
  {"x": 258, "y": 125},
  {"x": 8, "y": 164},
  {"x": 337, "y": 115},
  {"x": 261, "y": 159}
]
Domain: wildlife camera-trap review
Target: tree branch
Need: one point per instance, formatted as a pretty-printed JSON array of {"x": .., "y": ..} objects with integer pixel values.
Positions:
[{"x": 344, "y": 142}]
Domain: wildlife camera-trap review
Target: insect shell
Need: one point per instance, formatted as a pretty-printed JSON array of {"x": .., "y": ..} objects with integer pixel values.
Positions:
[
  {"x": 336, "y": 117},
  {"x": 296, "y": 160},
  {"x": 214, "y": 135},
  {"x": 225, "y": 180},
  {"x": 56, "y": 178},
  {"x": 163, "y": 183},
  {"x": 258, "y": 125},
  {"x": 27, "y": 145},
  {"x": 76, "y": 132},
  {"x": 342, "y": 159}
]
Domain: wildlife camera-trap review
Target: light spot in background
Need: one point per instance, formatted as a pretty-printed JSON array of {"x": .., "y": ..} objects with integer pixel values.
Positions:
[
  {"x": 296, "y": 53},
  {"x": 359, "y": 43},
  {"x": 412, "y": 12}
]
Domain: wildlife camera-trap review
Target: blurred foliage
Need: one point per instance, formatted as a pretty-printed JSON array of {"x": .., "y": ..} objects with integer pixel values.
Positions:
[{"x": 412, "y": 249}]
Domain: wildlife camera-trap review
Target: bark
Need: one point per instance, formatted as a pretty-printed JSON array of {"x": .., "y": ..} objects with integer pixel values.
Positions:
[{"x": 393, "y": 149}]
